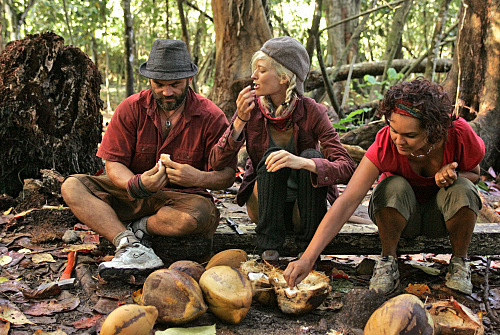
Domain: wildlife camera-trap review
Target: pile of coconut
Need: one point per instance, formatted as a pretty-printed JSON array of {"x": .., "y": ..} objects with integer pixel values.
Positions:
[
  {"x": 226, "y": 286},
  {"x": 229, "y": 283}
]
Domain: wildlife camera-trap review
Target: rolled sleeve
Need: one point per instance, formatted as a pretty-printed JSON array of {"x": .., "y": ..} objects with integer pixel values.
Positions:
[{"x": 225, "y": 152}]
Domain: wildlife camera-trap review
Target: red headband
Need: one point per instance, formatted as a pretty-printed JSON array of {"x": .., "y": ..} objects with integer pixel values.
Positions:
[{"x": 402, "y": 108}]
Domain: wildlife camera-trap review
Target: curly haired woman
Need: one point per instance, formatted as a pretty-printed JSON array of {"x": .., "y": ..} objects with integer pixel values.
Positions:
[{"x": 428, "y": 160}]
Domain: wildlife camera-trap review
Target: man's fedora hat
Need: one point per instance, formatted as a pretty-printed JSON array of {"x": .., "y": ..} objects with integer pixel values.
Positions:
[{"x": 168, "y": 60}]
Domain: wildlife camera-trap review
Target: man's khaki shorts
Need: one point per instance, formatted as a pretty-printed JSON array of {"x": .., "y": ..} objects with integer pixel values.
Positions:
[
  {"x": 129, "y": 209},
  {"x": 424, "y": 219}
]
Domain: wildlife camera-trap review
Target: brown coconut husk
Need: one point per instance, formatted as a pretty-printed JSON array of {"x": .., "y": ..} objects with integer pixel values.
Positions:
[
  {"x": 451, "y": 317},
  {"x": 303, "y": 298},
  {"x": 257, "y": 274}
]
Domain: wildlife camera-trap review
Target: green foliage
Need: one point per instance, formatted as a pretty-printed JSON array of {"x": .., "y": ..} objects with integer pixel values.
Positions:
[
  {"x": 350, "y": 121},
  {"x": 99, "y": 25}
]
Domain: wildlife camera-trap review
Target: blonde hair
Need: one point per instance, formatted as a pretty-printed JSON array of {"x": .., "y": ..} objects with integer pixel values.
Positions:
[{"x": 282, "y": 73}]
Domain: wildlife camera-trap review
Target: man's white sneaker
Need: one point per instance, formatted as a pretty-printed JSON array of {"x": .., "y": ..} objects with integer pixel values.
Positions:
[
  {"x": 458, "y": 276},
  {"x": 385, "y": 276},
  {"x": 130, "y": 259}
]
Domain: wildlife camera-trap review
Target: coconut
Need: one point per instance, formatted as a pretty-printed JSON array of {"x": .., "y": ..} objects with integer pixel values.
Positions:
[
  {"x": 229, "y": 257},
  {"x": 192, "y": 268},
  {"x": 130, "y": 320},
  {"x": 404, "y": 314},
  {"x": 228, "y": 293},
  {"x": 175, "y": 294},
  {"x": 257, "y": 273},
  {"x": 303, "y": 298},
  {"x": 451, "y": 317}
]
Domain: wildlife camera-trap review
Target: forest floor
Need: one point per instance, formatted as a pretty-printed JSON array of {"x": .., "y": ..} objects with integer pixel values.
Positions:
[{"x": 33, "y": 256}]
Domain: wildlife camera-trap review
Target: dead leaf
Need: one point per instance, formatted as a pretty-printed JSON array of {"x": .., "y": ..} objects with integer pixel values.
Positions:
[
  {"x": 339, "y": 274},
  {"x": 13, "y": 286},
  {"x": 42, "y": 258},
  {"x": 80, "y": 247},
  {"x": 4, "y": 328},
  {"x": 57, "y": 332},
  {"x": 43, "y": 291},
  {"x": 5, "y": 260},
  {"x": 87, "y": 322},
  {"x": 10, "y": 313},
  {"x": 418, "y": 289},
  {"x": 137, "y": 296},
  {"x": 51, "y": 307}
]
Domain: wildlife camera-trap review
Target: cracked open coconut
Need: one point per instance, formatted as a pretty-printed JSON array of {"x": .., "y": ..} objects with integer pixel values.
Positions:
[
  {"x": 303, "y": 298},
  {"x": 257, "y": 273}
]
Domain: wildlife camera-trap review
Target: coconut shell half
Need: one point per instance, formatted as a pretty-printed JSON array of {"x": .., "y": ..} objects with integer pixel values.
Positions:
[
  {"x": 404, "y": 314},
  {"x": 229, "y": 257},
  {"x": 130, "y": 320},
  {"x": 303, "y": 298},
  {"x": 228, "y": 293},
  {"x": 175, "y": 294},
  {"x": 451, "y": 317},
  {"x": 258, "y": 275}
]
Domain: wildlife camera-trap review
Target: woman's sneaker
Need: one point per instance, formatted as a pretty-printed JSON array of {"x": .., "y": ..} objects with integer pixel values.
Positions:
[
  {"x": 458, "y": 276},
  {"x": 130, "y": 259},
  {"x": 385, "y": 276}
]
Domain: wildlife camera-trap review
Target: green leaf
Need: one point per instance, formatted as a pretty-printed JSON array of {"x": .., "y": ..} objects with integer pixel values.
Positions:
[
  {"x": 339, "y": 126},
  {"x": 481, "y": 185},
  {"x": 342, "y": 285},
  {"x": 356, "y": 112},
  {"x": 392, "y": 73},
  {"x": 370, "y": 79}
]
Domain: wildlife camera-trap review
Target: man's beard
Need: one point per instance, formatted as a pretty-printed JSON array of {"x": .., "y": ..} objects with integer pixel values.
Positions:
[{"x": 168, "y": 106}]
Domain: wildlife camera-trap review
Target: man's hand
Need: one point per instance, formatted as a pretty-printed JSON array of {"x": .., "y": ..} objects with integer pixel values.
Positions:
[
  {"x": 182, "y": 174},
  {"x": 154, "y": 179},
  {"x": 296, "y": 271}
]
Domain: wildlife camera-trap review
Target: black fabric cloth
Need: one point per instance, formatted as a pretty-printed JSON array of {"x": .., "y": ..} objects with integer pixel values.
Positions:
[
  {"x": 275, "y": 213},
  {"x": 272, "y": 189},
  {"x": 311, "y": 202}
]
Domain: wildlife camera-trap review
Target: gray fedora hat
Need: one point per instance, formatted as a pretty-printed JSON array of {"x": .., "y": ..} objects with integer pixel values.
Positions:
[{"x": 168, "y": 60}]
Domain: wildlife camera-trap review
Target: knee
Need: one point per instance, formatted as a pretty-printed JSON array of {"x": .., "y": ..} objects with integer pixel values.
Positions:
[
  {"x": 311, "y": 153},
  {"x": 70, "y": 189}
]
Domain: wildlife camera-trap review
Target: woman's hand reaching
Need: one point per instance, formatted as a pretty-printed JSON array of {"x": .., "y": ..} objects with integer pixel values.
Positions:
[{"x": 447, "y": 175}]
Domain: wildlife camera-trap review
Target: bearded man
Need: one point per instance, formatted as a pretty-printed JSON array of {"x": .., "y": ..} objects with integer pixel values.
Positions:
[{"x": 156, "y": 151}]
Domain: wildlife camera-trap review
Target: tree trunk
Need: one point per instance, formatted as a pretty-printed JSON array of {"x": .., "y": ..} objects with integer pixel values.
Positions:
[
  {"x": 310, "y": 45},
  {"x": 129, "y": 48},
  {"x": 394, "y": 40},
  {"x": 436, "y": 39},
  {"x": 67, "y": 19},
  {"x": 315, "y": 80},
  {"x": 49, "y": 111},
  {"x": 340, "y": 35},
  {"x": 240, "y": 30},
  {"x": 474, "y": 79}
]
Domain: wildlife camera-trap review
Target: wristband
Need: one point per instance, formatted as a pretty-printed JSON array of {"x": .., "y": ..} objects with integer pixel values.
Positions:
[
  {"x": 241, "y": 118},
  {"x": 136, "y": 189}
]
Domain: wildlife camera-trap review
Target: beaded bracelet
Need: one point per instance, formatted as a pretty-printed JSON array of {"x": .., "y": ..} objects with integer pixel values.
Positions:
[{"x": 136, "y": 189}]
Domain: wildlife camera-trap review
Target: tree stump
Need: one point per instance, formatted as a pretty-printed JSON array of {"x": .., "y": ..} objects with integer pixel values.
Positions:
[
  {"x": 363, "y": 136},
  {"x": 49, "y": 112}
]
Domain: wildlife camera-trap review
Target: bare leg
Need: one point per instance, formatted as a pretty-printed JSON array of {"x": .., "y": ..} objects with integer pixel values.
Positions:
[
  {"x": 91, "y": 210},
  {"x": 170, "y": 222},
  {"x": 390, "y": 225},
  {"x": 253, "y": 205},
  {"x": 460, "y": 227}
]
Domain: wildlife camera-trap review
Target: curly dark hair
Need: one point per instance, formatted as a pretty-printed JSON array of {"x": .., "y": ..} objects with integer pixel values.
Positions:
[{"x": 429, "y": 98}]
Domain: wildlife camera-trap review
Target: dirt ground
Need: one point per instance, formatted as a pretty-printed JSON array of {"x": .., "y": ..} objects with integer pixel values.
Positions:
[{"x": 33, "y": 257}]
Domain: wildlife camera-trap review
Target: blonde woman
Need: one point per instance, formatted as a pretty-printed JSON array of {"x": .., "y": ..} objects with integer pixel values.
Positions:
[{"x": 295, "y": 155}]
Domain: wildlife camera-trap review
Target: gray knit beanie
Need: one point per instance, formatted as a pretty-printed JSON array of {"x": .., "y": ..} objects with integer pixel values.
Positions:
[{"x": 291, "y": 54}]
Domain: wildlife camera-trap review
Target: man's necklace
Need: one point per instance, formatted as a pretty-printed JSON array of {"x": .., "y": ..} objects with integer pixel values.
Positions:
[
  {"x": 168, "y": 124},
  {"x": 423, "y": 155}
]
